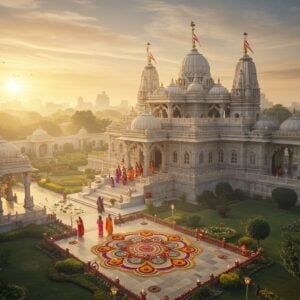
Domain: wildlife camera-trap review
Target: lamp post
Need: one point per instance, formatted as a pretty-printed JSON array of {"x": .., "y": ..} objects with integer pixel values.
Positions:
[
  {"x": 114, "y": 291},
  {"x": 172, "y": 209},
  {"x": 247, "y": 282},
  {"x": 143, "y": 294}
]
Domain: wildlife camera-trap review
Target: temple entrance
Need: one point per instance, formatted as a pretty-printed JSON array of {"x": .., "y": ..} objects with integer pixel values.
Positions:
[
  {"x": 43, "y": 150},
  {"x": 157, "y": 159},
  {"x": 282, "y": 162}
]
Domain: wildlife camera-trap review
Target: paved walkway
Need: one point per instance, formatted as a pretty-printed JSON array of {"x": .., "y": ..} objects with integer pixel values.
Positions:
[{"x": 172, "y": 284}]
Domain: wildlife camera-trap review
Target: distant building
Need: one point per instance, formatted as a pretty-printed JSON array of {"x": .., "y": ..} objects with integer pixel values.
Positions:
[
  {"x": 124, "y": 105},
  {"x": 81, "y": 105},
  {"x": 295, "y": 106},
  {"x": 102, "y": 100}
]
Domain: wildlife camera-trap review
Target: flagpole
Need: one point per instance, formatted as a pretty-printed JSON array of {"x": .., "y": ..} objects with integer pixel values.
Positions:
[
  {"x": 193, "y": 40},
  {"x": 245, "y": 40},
  {"x": 148, "y": 54}
]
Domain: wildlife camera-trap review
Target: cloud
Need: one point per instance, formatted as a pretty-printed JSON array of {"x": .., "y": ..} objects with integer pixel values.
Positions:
[
  {"x": 282, "y": 74},
  {"x": 20, "y": 4}
]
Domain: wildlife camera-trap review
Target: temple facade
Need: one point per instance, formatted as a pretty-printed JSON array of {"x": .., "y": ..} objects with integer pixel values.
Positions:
[{"x": 198, "y": 133}]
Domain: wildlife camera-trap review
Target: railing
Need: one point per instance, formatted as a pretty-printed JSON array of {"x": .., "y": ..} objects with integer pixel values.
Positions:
[{"x": 25, "y": 217}]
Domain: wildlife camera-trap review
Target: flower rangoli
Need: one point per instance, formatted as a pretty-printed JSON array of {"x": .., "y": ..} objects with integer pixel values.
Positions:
[{"x": 146, "y": 253}]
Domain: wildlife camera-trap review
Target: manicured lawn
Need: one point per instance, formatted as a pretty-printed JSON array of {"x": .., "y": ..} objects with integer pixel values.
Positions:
[
  {"x": 29, "y": 268},
  {"x": 275, "y": 278}
]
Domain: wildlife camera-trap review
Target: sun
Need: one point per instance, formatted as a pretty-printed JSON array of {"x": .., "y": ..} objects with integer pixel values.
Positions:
[{"x": 13, "y": 86}]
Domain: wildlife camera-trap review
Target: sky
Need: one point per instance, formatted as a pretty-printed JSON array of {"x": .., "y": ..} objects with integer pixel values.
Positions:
[{"x": 58, "y": 50}]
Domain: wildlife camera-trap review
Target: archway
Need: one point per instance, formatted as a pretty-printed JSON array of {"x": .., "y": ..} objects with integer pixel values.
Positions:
[
  {"x": 282, "y": 161},
  {"x": 214, "y": 113},
  {"x": 157, "y": 159},
  {"x": 43, "y": 150},
  {"x": 176, "y": 113}
]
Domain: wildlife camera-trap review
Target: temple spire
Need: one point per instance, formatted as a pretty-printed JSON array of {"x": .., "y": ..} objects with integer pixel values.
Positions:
[{"x": 193, "y": 34}]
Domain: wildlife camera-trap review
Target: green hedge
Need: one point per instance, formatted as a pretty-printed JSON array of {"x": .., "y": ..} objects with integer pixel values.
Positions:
[
  {"x": 69, "y": 266},
  {"x": 230, "y": 280},
  {"x": 12, "y": 292}
]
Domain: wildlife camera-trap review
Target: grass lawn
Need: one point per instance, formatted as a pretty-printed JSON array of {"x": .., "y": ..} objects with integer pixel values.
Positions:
[
  {"x": 275, "y": 278},
  {"x": 29, "y": 268}
]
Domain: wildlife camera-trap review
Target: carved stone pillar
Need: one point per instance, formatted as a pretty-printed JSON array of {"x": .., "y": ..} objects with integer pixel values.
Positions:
[
  {"x": 28, "y": 200},
  {"x": 9, "y": 194},
  {"x": 146, "y": 149},
  {"x": 164, "y": 158},
  {"x": 127, "y": 156},
  {"x": 290, "y": 162}
]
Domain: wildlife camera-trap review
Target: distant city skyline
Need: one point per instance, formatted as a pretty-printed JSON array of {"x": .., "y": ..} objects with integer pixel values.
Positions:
[{"x": 60, "y": 50}]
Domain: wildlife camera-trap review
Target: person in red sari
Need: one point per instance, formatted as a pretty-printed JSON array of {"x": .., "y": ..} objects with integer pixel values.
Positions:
[
  {"x": 136, "y": 169},
  {"x": 141, "y": 170},
  {"x": 109, "y": 225},
  {"x": 100, "y": 226},
  {"x": 80, "y": 227},
  {"x": 124, "y": 176}
]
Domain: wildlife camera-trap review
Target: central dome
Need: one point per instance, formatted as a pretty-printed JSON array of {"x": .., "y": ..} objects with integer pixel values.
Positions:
[
  {"x": 194, "y": 65},
  {"x": 145, "y": 121}
]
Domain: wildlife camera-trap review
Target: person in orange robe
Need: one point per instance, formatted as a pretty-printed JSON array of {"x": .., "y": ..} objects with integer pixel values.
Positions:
[
  {"x": 152, "y": 167},
  {"x": 109, "y": 225}
]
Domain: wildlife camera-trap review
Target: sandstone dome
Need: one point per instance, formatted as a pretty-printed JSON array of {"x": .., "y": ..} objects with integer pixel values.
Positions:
[{"x": 145, "y": 121}]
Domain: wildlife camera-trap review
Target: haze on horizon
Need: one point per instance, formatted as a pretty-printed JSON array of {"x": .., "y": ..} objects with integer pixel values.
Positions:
[{"x": 61, "y": 49}]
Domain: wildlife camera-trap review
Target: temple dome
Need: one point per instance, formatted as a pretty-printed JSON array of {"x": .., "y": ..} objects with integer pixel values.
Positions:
[
  {"x": 195, "y": 87},
  {"x": 40, "y": 134},
  {"x": 218, "y": 90},
  {"x": 194, "y": 64},
  {"x": 145, "y": 121},
  {"x": 174, "y": 91},
  {"x": 8, "y": 150},
  {"x": 265, "y": 123},
  {"x": 82, "y": 131},
  {"x": 291, "y": 124}
]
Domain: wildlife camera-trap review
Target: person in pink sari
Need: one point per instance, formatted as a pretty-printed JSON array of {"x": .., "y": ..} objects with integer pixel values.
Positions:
[
  {"x": 80, "y": 227},
  {"x": 100, "y": 226}
]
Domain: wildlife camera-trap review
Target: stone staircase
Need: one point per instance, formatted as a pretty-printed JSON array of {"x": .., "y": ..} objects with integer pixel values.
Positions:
[{"x": 119, "y": 193}]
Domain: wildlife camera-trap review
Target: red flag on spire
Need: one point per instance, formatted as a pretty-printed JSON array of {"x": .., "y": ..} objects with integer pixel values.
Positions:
[
  {"x": 195, "y": 38},
  {"x": 151, "y": 57},
  {"x": 247, "y": 46}
]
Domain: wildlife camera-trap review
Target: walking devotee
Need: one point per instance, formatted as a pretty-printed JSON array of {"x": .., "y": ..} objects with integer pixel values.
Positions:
[
  {"x": 100, "y": 226},
  {"x": 124, "y": 176},
  {"x": 136, "y": 169},
  {"x": 112, "y": 182},
  {"x": 141, "y": 170},
  {"x": 100, "y": 205},
  {"x": 118, "y": 174},
  {"x": 80, "y": 227},
  {"x": 130, "y": 174},
  {"x": 152, "y": 167},
  {"x": 109, "y": 225}
]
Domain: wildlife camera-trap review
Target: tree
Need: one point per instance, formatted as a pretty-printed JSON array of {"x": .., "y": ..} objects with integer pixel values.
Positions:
[
  {"x": 223, "y": 211},
  {"x": 278, "y": 112},
  {"x": 285, "y": 198},
  {"x": 290, "y": 254},
  {"x": 207, "y": 198},
  {"x": 224, "y": 191},
  {"x": 258, "y": 229}
]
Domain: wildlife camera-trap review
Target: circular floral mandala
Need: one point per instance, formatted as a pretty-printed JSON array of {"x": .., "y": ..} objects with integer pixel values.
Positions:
[{"x": 146, "y": 253}]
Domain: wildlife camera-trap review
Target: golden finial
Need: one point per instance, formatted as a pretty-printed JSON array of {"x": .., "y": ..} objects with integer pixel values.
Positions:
[
  {"x": 193, "y": 34},
  {"x": 148, "y": 53}
]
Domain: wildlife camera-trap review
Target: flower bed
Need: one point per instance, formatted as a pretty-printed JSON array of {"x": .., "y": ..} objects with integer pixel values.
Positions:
[{"x": 220, "y": 232}]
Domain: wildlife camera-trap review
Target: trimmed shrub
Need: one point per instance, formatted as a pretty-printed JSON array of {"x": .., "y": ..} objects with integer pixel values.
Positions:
[
  {"x": 13, "y": 292},
  {"x": 258, "y": 229},
  {"x": 202, "y": 294},
  {"x": 230, "y": 280},
  {"x": 246, "y": 241},
  {"x": 285, "y": 198},
  {"x": 266, "y": 294},
  {"x": 224, "y": 191},
  {"x": 180, "y": 220},
  {"x": 69, "y": 266},
  {"x": 150, "y": 208},
  {"x": 220, "y": 232},
  {"x": 193, "y": 221}
]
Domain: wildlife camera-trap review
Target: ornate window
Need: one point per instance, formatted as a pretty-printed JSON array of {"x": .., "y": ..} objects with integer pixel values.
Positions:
[
  {"x": 186, "y": 158},
  {"x": 210, "y": 157},
  {"x": 252, "y": 158},
  {"x": 233, "y": 157},
  {"x": 221, "y": 156},
  {"x": 174, "y": 157},
  {"x": 201, "y": 158}
]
